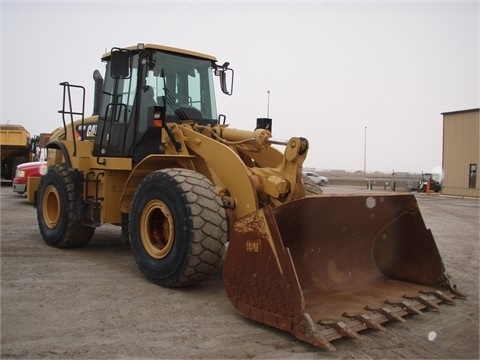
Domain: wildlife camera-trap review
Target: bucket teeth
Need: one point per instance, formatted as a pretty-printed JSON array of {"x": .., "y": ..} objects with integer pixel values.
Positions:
[
  {"x": 388, "y": 312},
  {"x": 342, "y": 328},
  {"x": 440, "y": 295},
  {"x": 367, "y": 320},
  {"x": 305, "y": 329},
  {"x": 406, "y": 305},
  {"x": 423, "y": 299},
  {"x": 396, "y": 309}
]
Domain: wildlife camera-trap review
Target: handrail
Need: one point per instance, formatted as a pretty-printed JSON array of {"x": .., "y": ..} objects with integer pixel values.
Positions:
[{"x": 67, "y": 96}]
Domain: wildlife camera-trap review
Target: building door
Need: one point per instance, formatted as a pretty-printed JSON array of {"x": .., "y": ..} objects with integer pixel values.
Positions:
[{"x": 472, "y": 179}]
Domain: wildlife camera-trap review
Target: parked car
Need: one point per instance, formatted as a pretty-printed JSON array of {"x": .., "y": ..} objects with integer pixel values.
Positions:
[
  {"x": 24, "y": 171},
  {"x": 317, "y": 179}
]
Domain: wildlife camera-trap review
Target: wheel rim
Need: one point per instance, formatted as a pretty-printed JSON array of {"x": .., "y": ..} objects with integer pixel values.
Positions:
[
  {"x": 51, "y": 207},
  {"x": 156, "y": 229}
]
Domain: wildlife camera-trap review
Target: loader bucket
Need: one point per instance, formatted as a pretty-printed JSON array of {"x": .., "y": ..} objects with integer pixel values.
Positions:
[{"x": 327, "y": 267}]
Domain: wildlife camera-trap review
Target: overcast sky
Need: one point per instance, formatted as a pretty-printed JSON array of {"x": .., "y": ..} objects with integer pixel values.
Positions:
[{"x": 337, "y": 72}]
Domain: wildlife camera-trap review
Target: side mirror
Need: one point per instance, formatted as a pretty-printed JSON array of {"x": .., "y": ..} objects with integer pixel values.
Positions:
[
  {"x": 226, "y": 78},
  {"x": 120, "y": 63}
]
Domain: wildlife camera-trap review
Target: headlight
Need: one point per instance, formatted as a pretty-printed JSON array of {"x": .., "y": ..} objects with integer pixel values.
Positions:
[
  {"x": 20, "y": 173},
  {"x": 43, "y": 169}
]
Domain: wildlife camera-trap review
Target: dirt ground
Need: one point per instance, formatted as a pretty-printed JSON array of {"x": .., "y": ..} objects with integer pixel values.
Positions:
[{"x": 94, "y": 303}]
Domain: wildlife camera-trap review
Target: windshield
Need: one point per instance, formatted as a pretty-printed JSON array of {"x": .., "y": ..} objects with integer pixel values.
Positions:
[{"x": 184, "y": 86}]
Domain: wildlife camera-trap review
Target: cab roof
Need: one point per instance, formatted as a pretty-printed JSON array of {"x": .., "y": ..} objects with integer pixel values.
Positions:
[{"x": 170, "y": 49}]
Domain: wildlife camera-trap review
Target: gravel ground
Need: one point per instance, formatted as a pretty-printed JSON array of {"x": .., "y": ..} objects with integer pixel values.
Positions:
[{"x": 94, "y": 303}]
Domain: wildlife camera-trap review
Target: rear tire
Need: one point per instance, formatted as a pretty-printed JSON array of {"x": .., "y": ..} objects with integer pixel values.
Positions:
[
  {"x": 55, "y": 210},
  {"x": 178, "y": 227}
]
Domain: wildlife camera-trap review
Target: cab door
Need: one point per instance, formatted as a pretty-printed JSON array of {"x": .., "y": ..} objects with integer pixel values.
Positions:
[{"x": 115, "y": 131}]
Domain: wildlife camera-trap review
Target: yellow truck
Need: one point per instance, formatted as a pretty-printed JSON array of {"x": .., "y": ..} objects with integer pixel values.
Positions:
[{"x": 16, "y": 147}]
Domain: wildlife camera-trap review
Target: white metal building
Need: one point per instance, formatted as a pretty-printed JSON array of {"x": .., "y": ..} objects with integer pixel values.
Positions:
[{"x": 461, "y": 153}]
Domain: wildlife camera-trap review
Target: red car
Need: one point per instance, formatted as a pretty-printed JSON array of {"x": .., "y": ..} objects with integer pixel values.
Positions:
[{"x": 24, "y": 171}]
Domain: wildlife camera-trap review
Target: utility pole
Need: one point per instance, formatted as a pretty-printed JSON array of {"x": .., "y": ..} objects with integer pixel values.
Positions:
[
  {"x": 365, "y": 153},
  {"x": 268, "y": 103}
]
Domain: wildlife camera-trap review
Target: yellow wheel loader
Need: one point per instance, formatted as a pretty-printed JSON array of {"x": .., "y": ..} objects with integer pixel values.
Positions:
[{"x": 156, "y": 159}]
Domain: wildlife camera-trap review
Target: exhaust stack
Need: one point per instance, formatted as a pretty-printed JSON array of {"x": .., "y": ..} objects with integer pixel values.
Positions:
[{"x": 97, "y": 77}]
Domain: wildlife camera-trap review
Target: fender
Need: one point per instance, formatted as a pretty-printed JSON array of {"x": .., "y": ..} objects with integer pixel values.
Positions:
[
  {"x": 146, "y": 166},
  {"x": 57, "y": 144}
]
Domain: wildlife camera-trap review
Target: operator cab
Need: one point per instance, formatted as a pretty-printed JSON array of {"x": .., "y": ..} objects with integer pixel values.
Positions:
[{"x": 147, "y": 86}]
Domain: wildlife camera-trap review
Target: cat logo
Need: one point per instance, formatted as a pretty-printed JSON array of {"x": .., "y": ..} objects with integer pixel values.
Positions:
[
  {"x": 88, "y": 131},
  {"x": 253, "y": 246}
]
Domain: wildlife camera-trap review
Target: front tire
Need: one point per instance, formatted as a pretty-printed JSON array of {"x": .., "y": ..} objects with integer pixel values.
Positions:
[
  {"x": 55, "y": 210},
  {"x": 178, "y": 227}
]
